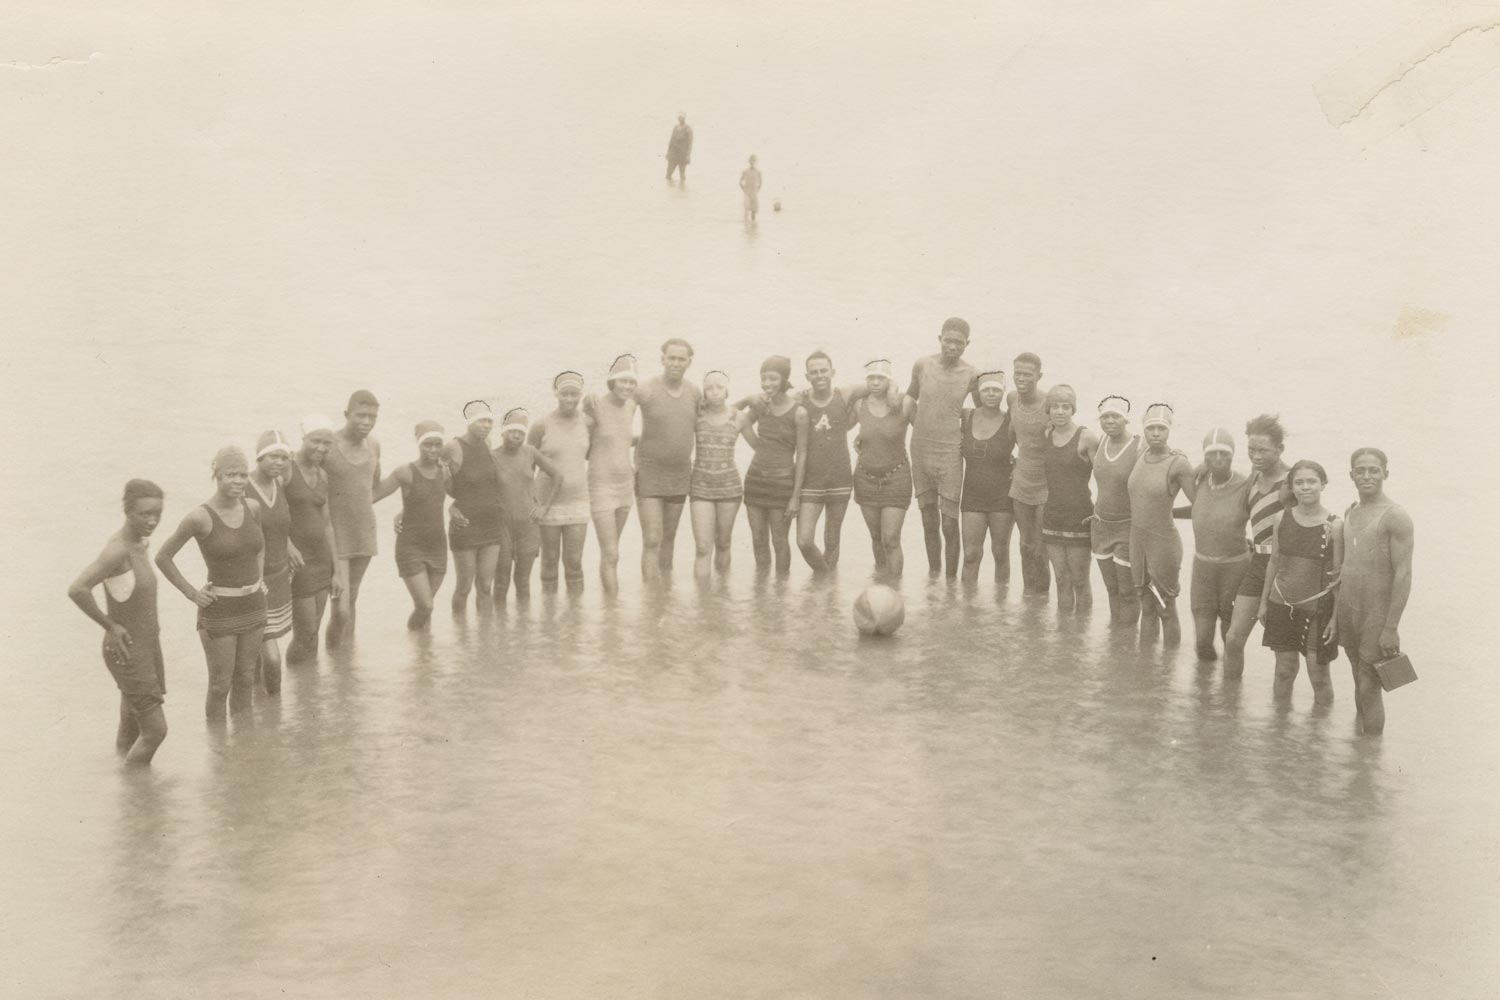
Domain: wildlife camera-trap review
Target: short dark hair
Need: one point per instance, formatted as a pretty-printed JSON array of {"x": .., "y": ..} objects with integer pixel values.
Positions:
[
  {"x": 1307, "y": 463},
  {"x": 1267, "y": 425},
  {"x": 676, "y": 340},
  {"x": 1027, "y": 358},
  {"x": 1369, "y": 450},
  {"x": 140, "y": 489},
  {"x": 820, "y": 353},
  {"x": 955, "y": 323},
  {"x": 362, "y": 397}
]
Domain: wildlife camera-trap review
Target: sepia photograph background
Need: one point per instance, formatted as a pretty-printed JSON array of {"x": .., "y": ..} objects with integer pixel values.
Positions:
[{"x": 221, "y": 218}]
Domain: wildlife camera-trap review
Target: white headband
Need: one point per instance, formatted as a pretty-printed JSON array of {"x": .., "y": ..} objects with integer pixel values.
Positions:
[
  {"x": 1158, "y": 415},
  {"x": 1118, "y": 405},
  {"x": 715, "y": 377},
  {"x": 998, "y": 382},
  {"x": 430, "y": 436},
  {"x": 477, "y": 410},
  {"x": 880, "y": 366},
  {"x": 516, "y": 418},
  {"x": 278, "y": 445}
]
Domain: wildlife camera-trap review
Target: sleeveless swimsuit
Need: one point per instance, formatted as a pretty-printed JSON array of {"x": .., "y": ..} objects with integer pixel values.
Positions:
[
  {"x": 987, "y": 467},
  {"x": 231, "y": 555},
  {"x": 1065, "y": 518},
  {"x": 1221, "y": 555},
  {"x": 1155, "y": 546},
  {"x": 882, "y": 476},
  {"x": 350, "y": 507},
  {"x": 517, "y": 471},
  {"x": 308, "y": 533},
  {"x": 936, "y": 435},
  {"x": 1365, "y": 596},
  {"x": 1109, "y": 531},
  {"x": 1264, "y": 507},
  {"x": 828, "y": 477},
  {"x": 476, "y": 493},
  {"x": 566, "y": 443},
  {"x": 664, "y": 455},
  {"x": 421, "y": 548},
  {"x": 772, "y": 472},
  {"x": 611, "y": 476},
  {"x": 1301, "y": 595},
  {"x": 142, "y": 679},
  {"x": 715, "y": 476},
  {"x": 1028, "y": 483},
  {"x": 276, "y": 524}
]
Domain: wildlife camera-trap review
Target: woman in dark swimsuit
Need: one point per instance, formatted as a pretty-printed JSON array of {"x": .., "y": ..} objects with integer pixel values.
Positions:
[
  {"x": 232, "y": 605},
  {"x": 421, "y": 544},
  {"x": 477, "y": 534},
  {"x": 985, "y": 505},
  {"x": 1069, "y": 466},
  {"x": 776, "y": 427},
  {"x": 882, "y": 475},
  {"x": 132, "y": 649}
]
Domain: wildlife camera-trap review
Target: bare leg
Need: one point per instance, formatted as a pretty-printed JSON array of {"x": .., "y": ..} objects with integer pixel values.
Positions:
[
  {"x": 1204, "y": 625},
  {"x": 219, "y": 652},
  {"x": 607, "y": 526},
  {"x": 1171, "y": 627},
  {"x": 780, "y": 528},
  {"x": 505, "y": 561},
  {"x": 727, "y": 512},
  {"x": 129, "y": 729},
  {"x": 1002, "y": 523},
  {"x": 1034, "y": 574},
  {"x": 486, "y": 560},
  {"x": 671, "y": 516},
  {"x": 269, "y": 669},
  {"x": 891, "y": 521},
  {"x": 704, "y": 517},
  {"x": 651, "y": 537},
  {"x": 1287, "y": 665},
  {"x": 1318, "y": 673},
  {"x": 1241, "y": 622},
  {"x": 1369, "y": 697},
  {"x": 551, "y": 554},
  {"x": 1150, "y": 614},
  {"x": 522, "y": 576},
  {"x": 1057, "y": 555},
  {"x": 807, "y": 536},
  {"x": 465, "y": 568},
  {"x": 932, "y": 536},
  {"x": 760, "y": 536},
  {"x": 1078, "y": 572},
  {"x": 872, "y": 521},
  {"x": 341, "y": 621},
  {"x": 152, "y": 726},
  {"x": 419, "y": 586},
  {"x": 573, "y": 537},
  {"x": 307, "y": 618},
  {"x": 833, "y": 531},
  {"x": 973, "y": 524},
  {"x": 1112, "y": 586}
]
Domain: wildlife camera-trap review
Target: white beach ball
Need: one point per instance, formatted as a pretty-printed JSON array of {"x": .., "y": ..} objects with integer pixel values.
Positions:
[{"x": 879, "y": 610}]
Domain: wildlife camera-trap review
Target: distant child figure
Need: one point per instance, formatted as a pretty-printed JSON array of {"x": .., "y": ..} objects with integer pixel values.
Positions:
[{"x": 750, "y": 184}]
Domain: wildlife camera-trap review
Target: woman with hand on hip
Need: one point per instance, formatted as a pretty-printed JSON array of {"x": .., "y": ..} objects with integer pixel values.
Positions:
[
  {"x": 132, "y": 647},
  {"x": 232, "y": 605}
]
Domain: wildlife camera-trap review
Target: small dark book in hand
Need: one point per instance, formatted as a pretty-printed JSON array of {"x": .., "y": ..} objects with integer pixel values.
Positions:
[{"x": 1395, "y": 672}]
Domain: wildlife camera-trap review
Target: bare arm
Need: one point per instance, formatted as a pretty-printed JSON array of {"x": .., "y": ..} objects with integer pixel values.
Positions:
[
  {"x": 1183, "y": 474},
  {"x": 390, "y": 484},
  {"x": 554, "y": 479},
  {"x": 1402, "y": 537},
  {"x": 1336, "y": 536},
  {"x": 194, "y": 525},
  {"x": 746, "y": 420},
  {"x": 113, "y": 560},
  {"x": 375, "y": 477},
  {"x": 1265, "y": 587},
  {"x": 799, "y": 417}
]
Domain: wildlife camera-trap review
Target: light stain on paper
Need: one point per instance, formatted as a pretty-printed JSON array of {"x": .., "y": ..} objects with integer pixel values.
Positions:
[{"x": 1415, "y": 322}]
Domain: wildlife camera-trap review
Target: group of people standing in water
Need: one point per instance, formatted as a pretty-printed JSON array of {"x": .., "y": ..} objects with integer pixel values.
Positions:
[{"x": 292, "y": 530}]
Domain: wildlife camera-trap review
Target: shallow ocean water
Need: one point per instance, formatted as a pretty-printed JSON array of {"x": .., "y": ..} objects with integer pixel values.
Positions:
[{"x": 725, "y": 791}]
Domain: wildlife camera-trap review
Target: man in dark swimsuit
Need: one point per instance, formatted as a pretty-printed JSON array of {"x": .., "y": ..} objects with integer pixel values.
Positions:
[{"x": 680, "y": 148}]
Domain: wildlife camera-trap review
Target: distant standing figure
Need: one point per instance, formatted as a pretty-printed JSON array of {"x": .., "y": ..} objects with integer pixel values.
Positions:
[
  {"x": 1376, "y": 583},
  {"x": 132, "y": 650},
  {"x": 680, "y": 147},
  {"x": 750, "y": 182}
]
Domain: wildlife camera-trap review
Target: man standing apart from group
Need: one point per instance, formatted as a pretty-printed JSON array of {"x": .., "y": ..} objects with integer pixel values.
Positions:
[
  {"x": 1376, "y": 583},
  {"x": 664, "y": 455},
  {"x": 750, "y": 181},
  {"x": 1031, "y": 428},
  {"x": 353, "y": 468},
  {"x": 680, "y": 148},
  {"x": 939, "y": 384}
]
